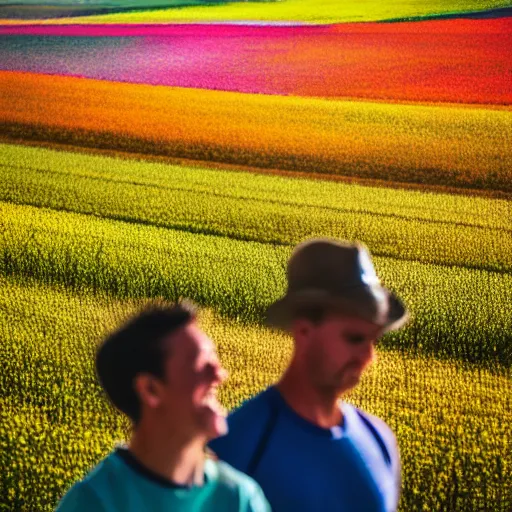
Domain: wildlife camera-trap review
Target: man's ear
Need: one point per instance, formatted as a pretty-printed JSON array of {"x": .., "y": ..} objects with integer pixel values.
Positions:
[
  {"x": 301, "y": 331},
  {"x": 147, "y": 388}
]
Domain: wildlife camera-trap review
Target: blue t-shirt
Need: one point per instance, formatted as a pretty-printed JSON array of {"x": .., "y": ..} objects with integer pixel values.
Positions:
[
  {"x": 304, "y": 468},
  {"x": 119, "y": 483}
]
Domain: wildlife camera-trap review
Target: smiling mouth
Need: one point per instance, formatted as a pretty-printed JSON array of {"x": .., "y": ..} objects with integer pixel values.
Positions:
[{"x": 211, "y": 401}]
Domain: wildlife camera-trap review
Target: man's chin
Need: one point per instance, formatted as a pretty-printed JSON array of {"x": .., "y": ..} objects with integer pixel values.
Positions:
[
  {"x": 221, "y": 426},
  {"x": 348, "y": 382},
  {"x": 214, "y": 424},
  {"x": 218, "y": 426}
]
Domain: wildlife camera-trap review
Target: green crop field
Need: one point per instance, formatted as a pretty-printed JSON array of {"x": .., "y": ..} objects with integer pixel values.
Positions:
[
  {"x": 475, "y": 232},
  {"x": 35, "y": 10}
]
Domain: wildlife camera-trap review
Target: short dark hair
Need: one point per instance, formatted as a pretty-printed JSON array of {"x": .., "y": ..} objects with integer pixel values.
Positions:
[{"x": 136, "y": 347}]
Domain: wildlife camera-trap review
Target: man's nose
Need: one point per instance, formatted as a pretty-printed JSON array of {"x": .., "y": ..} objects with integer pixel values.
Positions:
[
  {"x": 219, "y": 374},
  {"x": 223, "y": 374}
]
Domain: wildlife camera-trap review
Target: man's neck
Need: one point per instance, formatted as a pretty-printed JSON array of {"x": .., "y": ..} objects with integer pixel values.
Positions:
[
  {"x": 178, "y": 460},
  {"x": 320, "y": 408}
]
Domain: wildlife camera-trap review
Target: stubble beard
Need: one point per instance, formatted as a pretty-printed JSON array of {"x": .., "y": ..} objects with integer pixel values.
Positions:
[{"x": 345, "y": 379}]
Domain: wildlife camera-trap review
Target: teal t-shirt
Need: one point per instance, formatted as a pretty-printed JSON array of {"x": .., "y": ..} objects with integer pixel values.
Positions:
[{"x": 120, "y": 483}]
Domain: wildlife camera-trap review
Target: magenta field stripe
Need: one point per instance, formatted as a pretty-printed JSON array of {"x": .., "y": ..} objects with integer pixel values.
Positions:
[
  {"x": 456, "y": 26},
  {"x": 151, "y": 30},
  {"x": 462, "y": 61}
]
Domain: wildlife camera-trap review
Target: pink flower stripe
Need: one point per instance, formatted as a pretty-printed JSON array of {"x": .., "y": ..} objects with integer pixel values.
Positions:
[
  {"x": 152, "y": 30},
  {"x": 464, "y": 61}
]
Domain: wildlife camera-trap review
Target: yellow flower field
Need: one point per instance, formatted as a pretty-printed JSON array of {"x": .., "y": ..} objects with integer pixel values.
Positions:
[
  {"x": 451, "y": 418},
  {"x": 314, "y": 11}
]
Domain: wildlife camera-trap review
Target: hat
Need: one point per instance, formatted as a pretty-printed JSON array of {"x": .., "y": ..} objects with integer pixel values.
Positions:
[{"x": 339, "y": 276}]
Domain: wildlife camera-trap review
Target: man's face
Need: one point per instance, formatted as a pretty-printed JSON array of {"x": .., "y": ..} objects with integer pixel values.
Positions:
[
  {"x": 337, "y": 350},
  {"x": 189, "y": 390}
]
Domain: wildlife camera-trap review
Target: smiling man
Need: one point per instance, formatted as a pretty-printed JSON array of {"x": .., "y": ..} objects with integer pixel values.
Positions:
[
  {"x": 307, "y": 450},
  {"x": 162, "y": 371}
]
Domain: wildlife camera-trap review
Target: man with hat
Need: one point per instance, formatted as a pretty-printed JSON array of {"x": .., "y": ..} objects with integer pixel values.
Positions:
[{"x": 307, "y": 450}]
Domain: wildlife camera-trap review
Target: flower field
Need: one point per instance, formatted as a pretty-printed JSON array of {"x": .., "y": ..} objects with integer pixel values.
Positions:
[
  {"x": 142, "y": 160},
  {"x": 439, "y": 145},
  {"x": 56, "y": 424},
  {"x": 144, "y": 254},
  {"x": 317, "y": 11},
  {"x": 459, "y": 61}
]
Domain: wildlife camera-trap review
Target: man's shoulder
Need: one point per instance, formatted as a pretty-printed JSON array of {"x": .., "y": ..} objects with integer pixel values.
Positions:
[
  {"x": 380, "y": 430},
  {"x": 84, "y": 494},
  {"x": 230, "y": 477},
  {"x": 381, "y": 426},
  {"x": 102, "y": 472},
  {"x": 245, "y": 427},
  {"x": 249, "y": 494},
  {"x": 250, "y": 415},
  {"x": 378, "y": 423},
  {"x": 252, "y": 406}
]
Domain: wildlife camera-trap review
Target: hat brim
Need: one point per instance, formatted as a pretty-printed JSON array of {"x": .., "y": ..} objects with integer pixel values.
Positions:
[{"x": 375, "y": 304}]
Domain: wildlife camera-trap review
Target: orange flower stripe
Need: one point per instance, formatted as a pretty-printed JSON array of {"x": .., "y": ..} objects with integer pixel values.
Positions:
[{"x": 441, "y": 145}]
